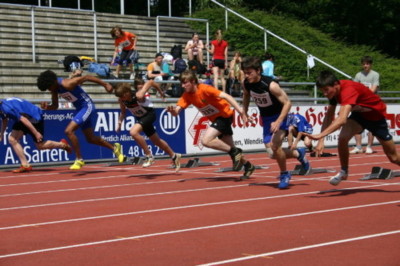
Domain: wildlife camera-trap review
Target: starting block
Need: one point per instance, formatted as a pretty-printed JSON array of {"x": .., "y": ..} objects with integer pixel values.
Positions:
[
  {"x": 299, "y": 170},
  {"x": 195, "y": 162},
  {"x": 324, "y": 154},
  {"x": 380, "y": 173},
  {"x": 130, "y": 161},
  {"x": 230, "y": 169},
  {"x": 137, "y": 160}
]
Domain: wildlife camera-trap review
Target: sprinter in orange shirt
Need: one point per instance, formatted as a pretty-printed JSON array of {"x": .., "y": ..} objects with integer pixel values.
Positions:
[{"x": 216, "y": 106}]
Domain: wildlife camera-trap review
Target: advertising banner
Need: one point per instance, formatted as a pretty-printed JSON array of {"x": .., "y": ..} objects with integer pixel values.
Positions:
[
  {"x": 249, "y": 137},
  {"x": 183, "y": 133},
  {"x": 169, "y": 128}
]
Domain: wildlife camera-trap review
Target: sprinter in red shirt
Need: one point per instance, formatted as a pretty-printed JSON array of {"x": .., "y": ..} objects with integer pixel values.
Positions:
[{"x": 360, "y": 109}]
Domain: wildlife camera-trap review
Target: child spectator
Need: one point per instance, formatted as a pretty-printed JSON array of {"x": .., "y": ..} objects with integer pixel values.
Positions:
[{"x": 126, "y": 43}]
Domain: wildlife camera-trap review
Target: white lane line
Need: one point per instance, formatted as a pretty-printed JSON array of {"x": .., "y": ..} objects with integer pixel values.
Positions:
[
  {"x": 302, "y": 248},
  {"x": 89, "y": 188},
  {"x": 116, "y": 198},
  {"x": 198, "y": 228},
  {"x": 150, "y": 172},
  {"x": 162, "y": 209},
  {"x": 159, "y": 193}
]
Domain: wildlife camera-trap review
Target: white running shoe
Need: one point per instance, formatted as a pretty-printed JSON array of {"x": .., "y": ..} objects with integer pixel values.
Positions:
[
  {"x": 335, "y": 180},
  {"x": 356, "y": 150},
  {"x": 368, "y": 150},
  {"x": 177, "y": 162},
  {"x": 148, "y": 161},
  {"x": 132, "y": 76}
]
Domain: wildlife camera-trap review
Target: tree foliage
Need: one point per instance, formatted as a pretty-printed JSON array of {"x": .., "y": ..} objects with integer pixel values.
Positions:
[
  {"x": 291, "y": 63},
  {"x": 374, "y": 23}
]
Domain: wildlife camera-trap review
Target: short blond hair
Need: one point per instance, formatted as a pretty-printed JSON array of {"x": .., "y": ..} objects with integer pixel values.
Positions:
[
  {"x": 188, "y": 75},
  {"x": 121, "y": 89}
]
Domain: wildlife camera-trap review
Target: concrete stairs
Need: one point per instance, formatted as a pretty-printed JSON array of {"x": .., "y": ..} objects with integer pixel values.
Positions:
[
  {"x": 61, "y": 32},
  {"x": 66, "y": 32}
]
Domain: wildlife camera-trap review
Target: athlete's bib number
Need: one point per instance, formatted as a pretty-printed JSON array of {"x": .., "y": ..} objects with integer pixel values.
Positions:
[
  {"x": 262, "y": 100},
  {"x": 209, "y": 110},
  {"x": 138, "y": 111},
  {"x": 69, "y": 97}
]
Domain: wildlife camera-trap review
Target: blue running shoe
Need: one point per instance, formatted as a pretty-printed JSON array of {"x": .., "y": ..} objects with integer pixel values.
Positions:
[
  {"x": 302, "y": 158},
  {"x": 284, "y": 180}
]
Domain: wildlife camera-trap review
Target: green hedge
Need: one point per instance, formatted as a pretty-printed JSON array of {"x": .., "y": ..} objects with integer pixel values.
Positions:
[{"x": 289, "y": 62}]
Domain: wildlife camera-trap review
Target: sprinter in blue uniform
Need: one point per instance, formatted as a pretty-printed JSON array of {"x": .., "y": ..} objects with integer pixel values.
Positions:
[
  {"x": 298, "y": 124},
  {"x": 71, "y": 91},
  {"x": 27, "y": 120}
]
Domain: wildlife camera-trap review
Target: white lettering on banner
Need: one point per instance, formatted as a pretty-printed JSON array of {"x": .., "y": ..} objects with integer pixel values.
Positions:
[
  {"x": 106, "y": 124},
  {"x": 37, "y": 156},
  {"x": 128, "y": 123},
  {"x": 57, "y": 117},
  {"x": 9, "y": 157},
  {"x": 169, "y": 124},
  {"x": 111, "y": 138},
  {"x": 209, "y": 110},
  {"x": 110, "y": 124},
  {"x": 261, "y": 99},
  {"x": 125, "y": 137}
]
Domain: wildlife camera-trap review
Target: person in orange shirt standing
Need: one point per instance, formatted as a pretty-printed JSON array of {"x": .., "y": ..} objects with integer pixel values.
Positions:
[
  {"x": 126, "y": 42},
  {"x": 216, "y": 106}
]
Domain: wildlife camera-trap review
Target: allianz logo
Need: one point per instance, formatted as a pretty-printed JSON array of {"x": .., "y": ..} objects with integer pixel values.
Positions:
[{"x": 169, "y": 124}]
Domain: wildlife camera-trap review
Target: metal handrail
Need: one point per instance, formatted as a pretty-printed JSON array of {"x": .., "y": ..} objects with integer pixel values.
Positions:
[
  {"x": 280, "y": 38},
  {"x": 33, "y": 30}
]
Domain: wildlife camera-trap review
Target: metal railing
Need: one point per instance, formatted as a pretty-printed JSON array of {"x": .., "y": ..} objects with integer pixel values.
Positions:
[
  {"x": 274, "y": 35},
  {"x": 33, "y": 30},
  {"x": 122, "y": 6},
  {"x": 78, "y": 3}
]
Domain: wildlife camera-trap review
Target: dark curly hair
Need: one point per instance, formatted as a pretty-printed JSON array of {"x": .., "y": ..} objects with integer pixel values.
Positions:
[{"x": 46, "y": 79}]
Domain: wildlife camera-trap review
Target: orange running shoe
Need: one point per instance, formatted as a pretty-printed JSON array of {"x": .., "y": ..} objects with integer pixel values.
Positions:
[
  {"x": 23, "y": 169},
  {"x": 66, "y": 147}
]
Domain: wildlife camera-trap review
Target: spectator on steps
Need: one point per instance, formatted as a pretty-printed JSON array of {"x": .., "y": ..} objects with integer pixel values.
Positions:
[
  {"x": 268, "y": 66},
  {"x": 126, "y": 43},
  {"x": 194, "y": 48},
  {"x": 219, "y": 50}
]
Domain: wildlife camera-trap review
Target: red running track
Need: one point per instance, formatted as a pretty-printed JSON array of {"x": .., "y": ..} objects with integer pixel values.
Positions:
[{"x": 129, "y": 215}]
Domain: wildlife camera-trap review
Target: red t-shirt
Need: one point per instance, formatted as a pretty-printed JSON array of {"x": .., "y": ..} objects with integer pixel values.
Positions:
[
  {"x": 219, "y": 49},
  {"x": 125, "y": 41},
  {"x": 362, "y": 100}
]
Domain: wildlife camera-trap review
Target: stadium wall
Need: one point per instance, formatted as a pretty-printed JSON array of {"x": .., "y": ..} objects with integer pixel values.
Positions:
[{"x": 182, "y": 133}]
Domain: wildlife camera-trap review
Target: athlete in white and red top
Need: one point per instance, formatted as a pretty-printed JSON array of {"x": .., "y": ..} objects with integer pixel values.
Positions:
[
  {"x": 139, "y": 104},
  {"x": 366, "y": 110}
]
